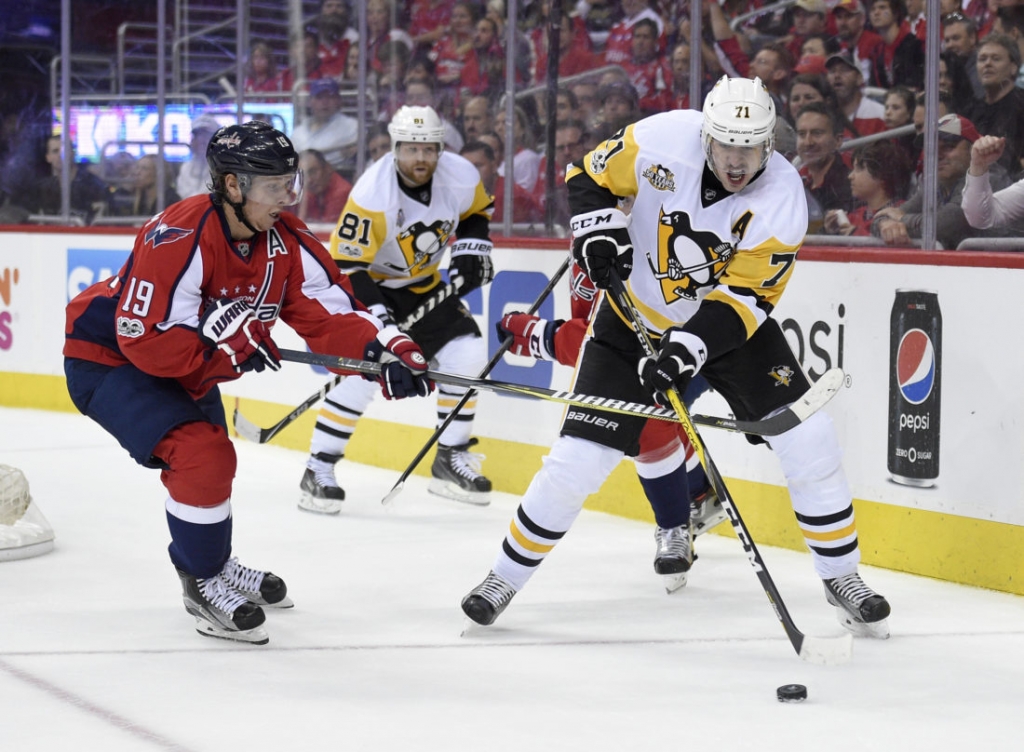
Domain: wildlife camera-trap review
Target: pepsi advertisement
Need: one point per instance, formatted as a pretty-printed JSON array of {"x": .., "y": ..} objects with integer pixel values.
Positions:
[{"x": 915, "y": 379}]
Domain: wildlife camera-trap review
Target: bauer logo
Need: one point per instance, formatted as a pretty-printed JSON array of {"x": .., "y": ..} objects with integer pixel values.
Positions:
[
  {"x": 915, "y": 366},
  {"x": 88, "y": 266}
]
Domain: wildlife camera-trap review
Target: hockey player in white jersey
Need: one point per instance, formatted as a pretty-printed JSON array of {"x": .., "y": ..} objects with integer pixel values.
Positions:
[
  {"x": 717, "y": 221},
  {"x": 390, "y": 239}
]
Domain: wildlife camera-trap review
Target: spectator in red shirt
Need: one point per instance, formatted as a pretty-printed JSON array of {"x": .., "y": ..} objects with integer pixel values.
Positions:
[
  {"x": 428, "y": 20},
  {"x": 449, "y": 52},
  {"x": 619, "y": 47},
  {"x": 575, "y": 51},
  {"x": 864, "y": 44},
  {"x": 382, "y": 27},
  {"x": 809, "y": 18},
  {"x": 311, "y": 58},
  {"x": 865, "y": 115},
  {"x": 916, "y": 20},
  {"x": 336, "y": 36},
  {"x": 902, "y": 59},
  {"x": 261, "y": 73},
  {"x": 325, "y": 191},
  {"x": 569, "y": 148},
  {"x": 880, "y": 178},
  {"x": 526, "y": 208},
  {"x": 648, "y": 71}
]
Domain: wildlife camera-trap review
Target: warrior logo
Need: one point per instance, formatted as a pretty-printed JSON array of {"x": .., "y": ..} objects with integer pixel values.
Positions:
[
  {"x": 660, "y": 177},
  {"x": 688, "y": 259},
  {"x": 421, "y": 244},
  {"x": 782, "y": 375}
]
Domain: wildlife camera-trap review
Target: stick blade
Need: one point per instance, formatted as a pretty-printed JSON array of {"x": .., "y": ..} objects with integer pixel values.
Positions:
[
  {"x": 247, "y": 429},
  {"x": 390, "y": 496},
  {"x": 823, "y": 390},
  {"x": 827, "y": 651}
]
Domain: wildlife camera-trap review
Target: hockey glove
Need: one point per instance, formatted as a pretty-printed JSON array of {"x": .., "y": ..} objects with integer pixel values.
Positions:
[
  {"x": 601, "y": 243},
  {"x": 530, "y": 335},
  {"x": 674, "y": 365},
  {"x": 471, "y": 260},
  {"x": 403, "y": 367},
  {"x": 232, "y": 326}
]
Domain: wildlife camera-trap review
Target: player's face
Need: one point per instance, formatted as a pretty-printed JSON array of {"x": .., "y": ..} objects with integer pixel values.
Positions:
[
  {"x": 268, "y": 196},
  {"x": 735, "y": 166},
  {"x": 417, "y": 162}
]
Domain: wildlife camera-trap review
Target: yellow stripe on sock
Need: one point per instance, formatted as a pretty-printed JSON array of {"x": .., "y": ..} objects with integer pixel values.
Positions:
[
  {"x": 526, "y": 543},
  {"x": 831, "y": 535}
]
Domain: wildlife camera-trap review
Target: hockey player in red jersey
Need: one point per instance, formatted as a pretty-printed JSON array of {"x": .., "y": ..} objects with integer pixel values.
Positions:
[
  {"x": 666, "y": 464},
  {"x": 193, "y": 306}
]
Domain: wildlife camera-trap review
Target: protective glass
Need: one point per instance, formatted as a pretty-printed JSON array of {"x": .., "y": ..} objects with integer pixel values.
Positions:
[{"x": 276, "y": 190}]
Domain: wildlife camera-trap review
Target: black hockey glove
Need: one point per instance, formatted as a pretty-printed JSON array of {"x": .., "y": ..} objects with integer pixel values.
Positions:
[
  {"x": 403, "y": 368},
  {"x": 601, "y": 243},
  {"x": 674, "y": 365},
  {"x": 471, "y": 260},
  {"x": 232, "y": 327}
]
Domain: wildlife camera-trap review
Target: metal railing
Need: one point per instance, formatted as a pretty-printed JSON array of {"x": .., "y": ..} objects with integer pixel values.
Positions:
[
  {"x": 992, "y": 244},
  {"x": 98, "y": 60}
]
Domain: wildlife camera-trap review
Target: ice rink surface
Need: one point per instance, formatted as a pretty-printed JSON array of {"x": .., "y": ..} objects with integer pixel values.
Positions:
[{"x": 97, "y": 652}]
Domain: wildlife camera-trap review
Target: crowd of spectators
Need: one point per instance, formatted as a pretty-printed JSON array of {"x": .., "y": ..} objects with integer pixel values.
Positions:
[{"x": 837, "y": 70}]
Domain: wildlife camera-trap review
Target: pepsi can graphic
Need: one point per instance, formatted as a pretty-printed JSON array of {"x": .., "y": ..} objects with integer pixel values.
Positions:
[{"x": 915, "y": 393}]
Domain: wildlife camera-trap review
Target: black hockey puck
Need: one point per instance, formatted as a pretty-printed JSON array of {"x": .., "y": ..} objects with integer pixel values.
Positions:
[{"x": 791, "y": 693}]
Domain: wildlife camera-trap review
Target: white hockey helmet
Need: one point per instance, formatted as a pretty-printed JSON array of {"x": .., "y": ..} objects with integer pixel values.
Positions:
[
  {"x": 739, "y": 112},
  {"x": 417, "y": 125}
]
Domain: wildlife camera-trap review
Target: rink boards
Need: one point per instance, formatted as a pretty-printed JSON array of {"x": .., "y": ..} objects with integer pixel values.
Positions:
[{"x": 968, "y": 526}]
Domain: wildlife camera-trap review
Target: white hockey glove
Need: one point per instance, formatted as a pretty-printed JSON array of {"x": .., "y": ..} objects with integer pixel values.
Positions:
[
  {"x": 232, "y": 326},
  {"x": 471, "y": 260},
  {"x": 600, "y": 243}
]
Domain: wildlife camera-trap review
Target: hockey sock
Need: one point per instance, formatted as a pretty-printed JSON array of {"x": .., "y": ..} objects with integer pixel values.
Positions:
[
  {"x": 667, "y": 495},
  {"x": 200, "y": 537}
]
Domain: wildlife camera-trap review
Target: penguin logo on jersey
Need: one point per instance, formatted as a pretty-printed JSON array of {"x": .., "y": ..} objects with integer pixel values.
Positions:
[
  {"x": 688, "y": 259},
  {"x": 660, "y": 177},
  {"x": 421, "y": 243},
  {"x": 783, "y": 375},
  {"x": 599, "y": 159}
]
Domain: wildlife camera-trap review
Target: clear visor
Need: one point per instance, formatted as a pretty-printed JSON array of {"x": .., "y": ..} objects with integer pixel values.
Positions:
[{"x": 276, "y": 190}]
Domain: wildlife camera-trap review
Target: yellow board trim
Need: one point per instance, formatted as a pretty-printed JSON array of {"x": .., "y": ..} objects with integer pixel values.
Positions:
[{"x": 948, "y": 547}]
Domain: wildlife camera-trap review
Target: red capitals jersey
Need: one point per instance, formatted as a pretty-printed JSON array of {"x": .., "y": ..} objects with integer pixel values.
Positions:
[{"x": 183, "y": 259}]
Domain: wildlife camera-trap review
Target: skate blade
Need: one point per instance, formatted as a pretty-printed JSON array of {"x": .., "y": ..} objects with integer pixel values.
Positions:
[
  {"x": 712, "y": 520},
  {"x": 455, "y": 492},
  {"x": 316, "y": 505},
  {"x": 254, "y": 636},
  {"x": 674, "y": 582},
  {"x": 878, "y": 630},
  {"x": 285, "y": 602}
]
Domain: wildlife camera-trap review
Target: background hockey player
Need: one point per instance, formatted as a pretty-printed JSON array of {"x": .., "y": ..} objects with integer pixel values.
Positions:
[
  {"x": 666, "y": 464},
  {"x": 719, "y": 219},
  {"x": 390, "y": 239},
  {"x": 193, "y": 306}
]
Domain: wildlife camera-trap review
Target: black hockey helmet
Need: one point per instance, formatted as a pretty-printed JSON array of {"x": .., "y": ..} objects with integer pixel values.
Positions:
[{"x": 253, "y": 148}]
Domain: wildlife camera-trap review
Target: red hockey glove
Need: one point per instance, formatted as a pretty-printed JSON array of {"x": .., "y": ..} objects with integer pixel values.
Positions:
[
  {"x": 232, "y": 326},
  {"x": 531, "y": 335},
  {"x": 403, "y": 366}
]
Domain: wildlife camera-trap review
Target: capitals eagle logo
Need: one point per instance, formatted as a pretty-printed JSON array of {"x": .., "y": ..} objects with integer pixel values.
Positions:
[{"x": 688, "y": 259}]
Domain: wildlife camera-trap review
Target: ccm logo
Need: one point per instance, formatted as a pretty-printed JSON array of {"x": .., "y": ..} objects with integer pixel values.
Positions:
[
  {"x": 590, "y": 222},
  {"x": 592, "y": 420}
]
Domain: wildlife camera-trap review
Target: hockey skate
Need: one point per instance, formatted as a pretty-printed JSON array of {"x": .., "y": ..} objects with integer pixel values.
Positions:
[
  {"x": 486, "y": 601},
  {"x": 456, "y": 475},
  {"x": 674, "y": 556},
  {"x": 858, "y": 608},
  {"x": 261, "y": 588},
  {"x": 221, "y": 611},
  {"x": 706, "y": 511},
  {"x": 320, "y": 490}
]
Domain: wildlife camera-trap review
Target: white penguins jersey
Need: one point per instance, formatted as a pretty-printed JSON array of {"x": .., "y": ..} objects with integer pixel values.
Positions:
[
  {"x": 397, "y": 239},
  {"x": 692, "y": 240}
]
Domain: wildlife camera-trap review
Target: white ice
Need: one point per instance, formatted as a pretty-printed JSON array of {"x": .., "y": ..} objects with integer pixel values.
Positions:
[{"x": 97, "y": 652}]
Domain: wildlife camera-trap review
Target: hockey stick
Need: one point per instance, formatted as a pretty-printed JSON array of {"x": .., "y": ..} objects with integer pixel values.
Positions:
[
  {"x": 251, "y": 432},
  {"x": 820, "y": 650},
  {"x": 817, "y": 396},
  {"x": 400, "y": 483}
]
